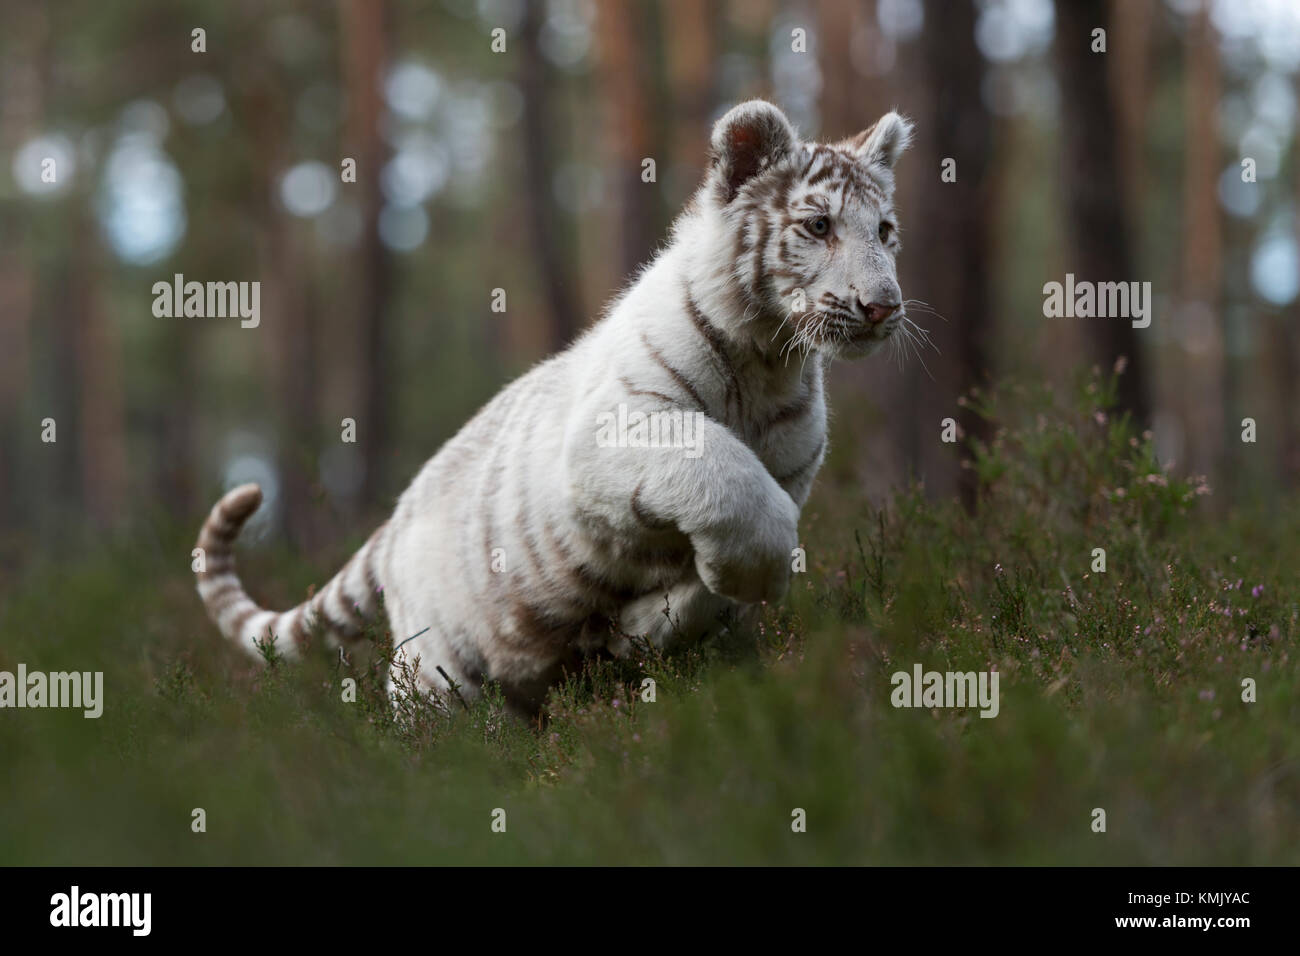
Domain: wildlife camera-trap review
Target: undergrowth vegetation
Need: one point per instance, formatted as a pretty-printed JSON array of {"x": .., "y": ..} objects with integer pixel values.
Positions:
[{"x": 1121, "y": 690}]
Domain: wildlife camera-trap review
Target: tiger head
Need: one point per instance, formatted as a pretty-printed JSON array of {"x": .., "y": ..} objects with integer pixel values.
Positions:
[{"x": 812, "y": 229}]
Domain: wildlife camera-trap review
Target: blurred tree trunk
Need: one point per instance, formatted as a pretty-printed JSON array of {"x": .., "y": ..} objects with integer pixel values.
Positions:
[
  {"x": 841, "y": 103},
  {"x": 22, "y": 109},
  {"x": 1100, "y": 234},
  {"x": 101, "y": 419},
  {"x": 364, "y": 29},
  {"x": 1286, "y": 362},
  {"x": 912, "y": 83},
  {"x": 692, "y": 53},
  {"x": 1285, "y": 346},
  {"x": 60, "y": 491},
  {"x": 546, "y": 226},
  {"x": 17, "y": 302},
  {"x": 173, "y": 426},
  {"x": 1131, "y": 65},
  {"x": 1207, "y": 371},
  {"x": 298, "y": 377},
  {"x": 956, "y": 218},
  {"x": 286, "y": 322},
  {"x": 622, "y": 29}
]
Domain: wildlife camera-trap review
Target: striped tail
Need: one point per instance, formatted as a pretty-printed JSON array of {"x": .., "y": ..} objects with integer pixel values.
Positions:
[{"x": 341, "y": 607}]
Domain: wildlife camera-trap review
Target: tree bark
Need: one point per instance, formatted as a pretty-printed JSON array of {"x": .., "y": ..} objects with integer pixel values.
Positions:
[
  {"x": 364, "y": 28},
  {"x": 692, "y": 53},
  {"x": 1130, "y": 63},
  {"x": 286, "y": 322},
  {"x": 545, "y": 218},
  {"x": 1208, "y": 364},
  {"x": 956, "y": 220},
  {"x": 621, "y": 30},
  {"x": 101, "y": 418},
  {"x": 1286, "y": 358},
  {"x": 1101, "y": 238},
  {"x": 22, "y": 109},
  {"x": 841, "y": 100}
]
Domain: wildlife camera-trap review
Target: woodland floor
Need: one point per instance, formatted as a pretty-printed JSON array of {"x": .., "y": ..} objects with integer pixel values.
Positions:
[{"x": 1120, "y": 690}]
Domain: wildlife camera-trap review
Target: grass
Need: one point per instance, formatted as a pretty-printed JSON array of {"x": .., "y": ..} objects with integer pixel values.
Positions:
[{"x": 1120, "y": 690}]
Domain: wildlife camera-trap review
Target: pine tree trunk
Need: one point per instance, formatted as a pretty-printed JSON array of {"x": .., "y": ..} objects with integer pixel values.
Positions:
[
  {"x": 364, "y": 29},
  {"x": 956, "y": 218},
  {"x": 550, "y": 239},
  {"x": 1100, "y": 235}
]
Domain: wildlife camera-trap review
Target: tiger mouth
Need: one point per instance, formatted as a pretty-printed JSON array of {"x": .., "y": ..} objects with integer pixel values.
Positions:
[
  {"x": 834, "y": 332},
  {"x": 847, "y": 330}
]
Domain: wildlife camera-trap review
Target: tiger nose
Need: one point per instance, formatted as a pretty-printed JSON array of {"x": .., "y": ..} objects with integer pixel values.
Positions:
[{"x": 877, "y": 312}]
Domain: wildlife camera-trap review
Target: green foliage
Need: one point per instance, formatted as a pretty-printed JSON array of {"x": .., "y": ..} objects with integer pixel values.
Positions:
[
  {"x": 1120, "y": 690},
  {"x": 1075, "y": 465}
]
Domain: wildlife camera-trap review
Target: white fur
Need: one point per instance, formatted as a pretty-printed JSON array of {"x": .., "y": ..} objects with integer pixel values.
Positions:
[{"x": 576, "y": 521}]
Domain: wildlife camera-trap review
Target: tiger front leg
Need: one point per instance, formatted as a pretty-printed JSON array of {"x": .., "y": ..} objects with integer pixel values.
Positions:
[
  {"x": 742, "y": 525},
  {"x": 745, "y": 554}
]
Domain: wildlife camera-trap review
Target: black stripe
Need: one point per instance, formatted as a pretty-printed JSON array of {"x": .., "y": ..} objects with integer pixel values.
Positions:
[
  {"x": 237, "y": 625},
  {"x": 355, "y": 619},
  {"x": 649, "y": 393},
  {"x": 796, "y": 409},
  {"x": 718, "y": 344},
  {"x": 812, "y": 460},
  {"x": 229, "y": 587},
  {"x": 582, "y": 575},
  {"x": 822, "y": 174},
  {"x": 676, "y": 376}
]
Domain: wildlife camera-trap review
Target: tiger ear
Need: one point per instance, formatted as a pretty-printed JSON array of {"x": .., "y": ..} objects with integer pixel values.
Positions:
[
  {"x": 750, "y": 138},
  {"x": 884, "y": 141}
]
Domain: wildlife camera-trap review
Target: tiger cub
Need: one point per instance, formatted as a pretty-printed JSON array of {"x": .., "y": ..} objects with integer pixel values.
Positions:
[{"x": 657, "y": 464}]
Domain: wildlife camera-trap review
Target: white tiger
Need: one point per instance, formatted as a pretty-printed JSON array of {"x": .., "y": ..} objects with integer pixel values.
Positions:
[{"x": 527, "y": 542}]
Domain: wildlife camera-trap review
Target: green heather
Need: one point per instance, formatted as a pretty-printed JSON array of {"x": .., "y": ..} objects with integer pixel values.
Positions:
[{"x": 1119, "y": 690}]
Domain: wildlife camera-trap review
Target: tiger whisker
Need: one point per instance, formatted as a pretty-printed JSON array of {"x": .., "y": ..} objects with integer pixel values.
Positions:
[
  {"x": 922, "y": 306},
  {"x": 915, "y": 345},
  {"x": 921, "y": 335}
]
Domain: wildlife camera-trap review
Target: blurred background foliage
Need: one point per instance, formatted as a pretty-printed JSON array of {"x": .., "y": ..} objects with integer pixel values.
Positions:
[{"x": 521, "y": 170}]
